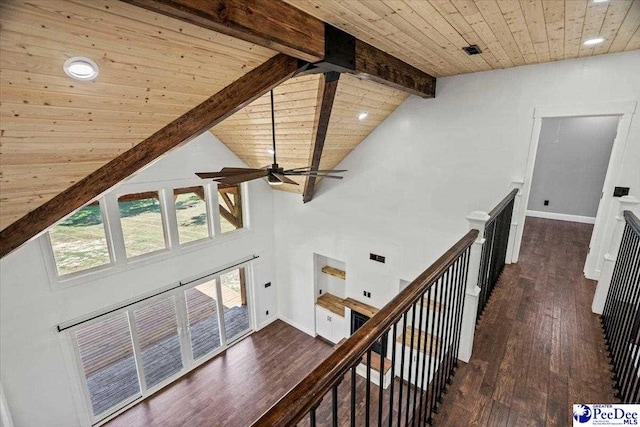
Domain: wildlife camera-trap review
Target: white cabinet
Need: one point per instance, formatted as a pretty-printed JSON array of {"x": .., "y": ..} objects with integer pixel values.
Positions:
[{"x": 329, "y": 325}]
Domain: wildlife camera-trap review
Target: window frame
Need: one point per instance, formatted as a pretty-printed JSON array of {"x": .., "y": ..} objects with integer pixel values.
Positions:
[
  {"x": 52, "y": 264},
  {"x": 189, "y": 363},
  {"x": 211, "y": 234},
  {"x": 162, "y": 202},
  {"x": 115, "y": 239}
]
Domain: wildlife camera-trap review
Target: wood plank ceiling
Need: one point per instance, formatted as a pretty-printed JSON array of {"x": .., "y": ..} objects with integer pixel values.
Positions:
[
  {"x": 248, "y": 132},
  {"x": 55, "y": 130},
  {"x": 430, "y": 34}
]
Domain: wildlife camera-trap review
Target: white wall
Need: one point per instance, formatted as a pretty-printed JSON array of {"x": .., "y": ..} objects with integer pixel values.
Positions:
[
  {"x": 411, "y": 183},
  {"x": 39, "y": 389},
  {"x": 571, "y": 163}
]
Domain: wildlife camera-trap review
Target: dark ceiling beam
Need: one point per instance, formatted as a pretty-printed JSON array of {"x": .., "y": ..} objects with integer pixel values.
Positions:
[
  {"x": 326, "y": 96},
  {"x": 183, "y": 129},
  {"x": 270, "y": 23},
  {"x": 284, "y": 28}
]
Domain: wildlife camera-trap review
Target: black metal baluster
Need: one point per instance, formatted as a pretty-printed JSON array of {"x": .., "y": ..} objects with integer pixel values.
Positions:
[
  {"x": 334, "y": 405},
  {"x": 438, "y": 338},
  {"x": 433, "y": 348},
  {"x": 353, "y": 394},
  {"x": 415, "y": 377},
  {"x": 426, "y": 296},
  {"x": 368, "y": 389},
  {"x": 404, "y": 343},
  {"x": 620, "y": 329},
  {"x": 627, "y": 362},
  {"x": 413, "y": 329},
  {"x": 447, "y": 330},
  {"x": 461, "y": 301},
  {"x": 617, "y": 286},
  {"x": 450, "y": 326},
  {"x": 312, "y": 417},
  {"x": 393, "y": 372}
]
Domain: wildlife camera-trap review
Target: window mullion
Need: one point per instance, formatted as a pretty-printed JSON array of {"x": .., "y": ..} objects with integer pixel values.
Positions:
[
  {"x": 183, "y": 329},
  {"x": 212, "y": 206},
  {"x": 168, "y": 207},
  {"x": 221, "y": 324},
  {"x": 116, "y": 237},
  {"x": 137, "y": 351}
]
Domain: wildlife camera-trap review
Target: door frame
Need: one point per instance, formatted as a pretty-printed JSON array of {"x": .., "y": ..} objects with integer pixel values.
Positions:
[{"x": 625, "y": 111}]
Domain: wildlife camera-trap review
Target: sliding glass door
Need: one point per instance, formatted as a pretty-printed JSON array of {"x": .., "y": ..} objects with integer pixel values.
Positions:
[{"x": 128, "y": 354}]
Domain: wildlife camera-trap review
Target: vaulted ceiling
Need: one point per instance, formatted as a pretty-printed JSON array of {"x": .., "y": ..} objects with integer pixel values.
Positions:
[
  {"x": 430, "y": 34},
  {"x": 55, "y": 131},
  {"x": 248, "y": 132}
]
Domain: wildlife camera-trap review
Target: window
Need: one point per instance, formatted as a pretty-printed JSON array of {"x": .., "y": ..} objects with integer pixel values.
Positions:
[
  {"x": 134, "y": 350},
  {"x": 230, "y": 201},
  {"x": 191, "y": 214},
  {"x": 234, "y": 303},
  {"x": 108, "y": 362},
  {"x": 142, "y": 225},
  {"x": 79, "y": 242}
]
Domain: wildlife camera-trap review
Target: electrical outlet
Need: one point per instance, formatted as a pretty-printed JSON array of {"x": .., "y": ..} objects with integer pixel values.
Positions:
[
  {"x": 378, "y": 258},
  {"x": 364, "y": 293},
  {"x": 368, "y": 294},
  {"x": 546, "y": 203},
  {"x": 267, "y": 312},
  {"x": 320, "y": 292},
  {"x": 266, "y": 285}
]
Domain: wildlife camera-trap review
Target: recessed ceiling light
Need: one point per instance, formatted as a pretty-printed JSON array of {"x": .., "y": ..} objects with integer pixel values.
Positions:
[
  {"x": 81, "y": 68},
  {"x": 270, "y": 151},
  {"x": 593, "y": 41},
  {"x": 363, "y": 115},
  {"x": 600, "y": 1}
]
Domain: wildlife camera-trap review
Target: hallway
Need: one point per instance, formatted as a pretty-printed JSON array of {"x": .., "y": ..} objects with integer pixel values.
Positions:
[{"x": 538, "y": 347}]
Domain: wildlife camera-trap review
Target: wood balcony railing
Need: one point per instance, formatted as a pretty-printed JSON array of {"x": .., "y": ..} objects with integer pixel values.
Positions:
[
  {"x": 621, "y": 315},
  {"x": 422, "y": 329}
]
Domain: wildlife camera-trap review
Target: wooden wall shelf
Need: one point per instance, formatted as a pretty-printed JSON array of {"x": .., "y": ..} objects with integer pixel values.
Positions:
[{"x": 332, "y": 271}]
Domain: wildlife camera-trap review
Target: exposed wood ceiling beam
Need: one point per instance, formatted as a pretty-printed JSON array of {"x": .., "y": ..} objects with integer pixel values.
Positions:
[
  {"x": 282, "y": 27},
  {"x": 269, "y": 23},
  {"x": 198, "y": 120},
  {"x": 326, "y": 95}
]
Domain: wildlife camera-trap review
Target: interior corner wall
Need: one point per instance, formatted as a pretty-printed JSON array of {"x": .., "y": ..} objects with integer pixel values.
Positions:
[
  {"x": 35, "y": 374},
  {"x": 411, "y": 183},
  {"x": 571, "y": 164}
]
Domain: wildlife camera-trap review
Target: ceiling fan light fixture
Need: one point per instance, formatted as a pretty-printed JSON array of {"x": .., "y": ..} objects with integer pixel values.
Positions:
[
  {"x": 81, "y": 68},
  {"x": 272, "y": 180},
  {"x": 363, "y": 115}
]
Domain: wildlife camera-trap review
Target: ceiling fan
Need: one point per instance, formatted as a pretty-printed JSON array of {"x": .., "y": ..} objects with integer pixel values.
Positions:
[{"x": 275, "y": 174}]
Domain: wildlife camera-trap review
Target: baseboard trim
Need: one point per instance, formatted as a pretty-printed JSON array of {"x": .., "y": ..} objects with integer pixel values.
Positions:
[
  {"x": 298, "y": 326},
  {"x": 267, "y": 322},
  {"x": 562, "y": 217}
]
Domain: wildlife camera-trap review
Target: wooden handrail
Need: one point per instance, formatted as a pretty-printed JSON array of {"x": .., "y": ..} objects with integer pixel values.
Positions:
[
  {"x": 310, "y": 390},
  {"x": 503, "y": 204},
  {"x": 633, "y": 221}
]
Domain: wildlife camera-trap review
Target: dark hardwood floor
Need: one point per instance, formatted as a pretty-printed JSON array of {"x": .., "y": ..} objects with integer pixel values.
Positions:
[
  {"x": 539, "y": 349},
  {"x": 235, "y": 388}
]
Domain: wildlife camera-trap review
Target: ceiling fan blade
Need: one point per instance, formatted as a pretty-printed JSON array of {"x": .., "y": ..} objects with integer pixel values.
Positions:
[
  {"x": 310, "y": 169},
  {"x": 237, "y": 179},
  {"x": 284, "y": 179},
  {"x": 225, "y": 172},
  {"x": 317, "y": 175}
]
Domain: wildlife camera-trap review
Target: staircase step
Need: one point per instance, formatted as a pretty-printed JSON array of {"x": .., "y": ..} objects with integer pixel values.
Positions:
[
  {"x": 432, "y": 305},
  {"x": 375, "y": 362},
  {"x": 421, "y": 336}
]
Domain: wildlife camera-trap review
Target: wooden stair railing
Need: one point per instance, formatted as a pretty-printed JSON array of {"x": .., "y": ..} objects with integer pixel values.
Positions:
[{"x": 422, "y": 346}]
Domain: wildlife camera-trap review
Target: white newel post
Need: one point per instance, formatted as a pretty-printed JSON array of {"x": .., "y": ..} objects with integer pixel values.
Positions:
[
  {"x": 517, "y": 205},
  {"x": 477, "y": 221},
  {"x": 627, "y": 203}
]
